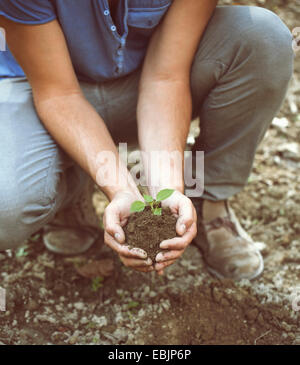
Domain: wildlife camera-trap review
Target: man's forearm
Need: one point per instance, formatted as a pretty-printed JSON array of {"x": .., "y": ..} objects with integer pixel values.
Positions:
[
  {"x": 81, "y": 132},
  {"x": 164, "y": 115}
]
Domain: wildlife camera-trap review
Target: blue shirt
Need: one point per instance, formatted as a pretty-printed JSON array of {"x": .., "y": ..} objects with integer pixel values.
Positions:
[{"x": 99, "y": 48}]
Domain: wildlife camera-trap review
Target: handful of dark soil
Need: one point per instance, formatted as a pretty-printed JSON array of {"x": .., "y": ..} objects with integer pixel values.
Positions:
[{"x": 146, "y": 230}]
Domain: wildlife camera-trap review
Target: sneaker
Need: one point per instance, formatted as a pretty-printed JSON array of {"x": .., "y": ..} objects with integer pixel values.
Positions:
[
  {"x": 76, "y": 228},
  {"x": 228, "y": 250}
]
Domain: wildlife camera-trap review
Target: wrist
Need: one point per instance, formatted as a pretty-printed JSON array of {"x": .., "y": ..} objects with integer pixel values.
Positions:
[{"x": 112, "y": 192}]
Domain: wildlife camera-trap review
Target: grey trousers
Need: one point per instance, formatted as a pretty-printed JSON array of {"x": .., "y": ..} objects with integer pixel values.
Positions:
[{"x": 239, "y": 79}]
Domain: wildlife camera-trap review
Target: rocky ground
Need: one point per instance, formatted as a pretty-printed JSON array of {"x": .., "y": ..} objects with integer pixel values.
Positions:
[{"x": 93, "y": 299}]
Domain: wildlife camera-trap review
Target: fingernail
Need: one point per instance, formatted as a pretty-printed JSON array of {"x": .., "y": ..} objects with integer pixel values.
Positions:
[
  {"x": 159, "y": 257},
  {"x": 163, "y": 245},
  {"x": 117, "y": 236},
  {"x": 183, "y": 228},
  {"x": 142, "y": 254},
  {"x": 149, "y": 261}
]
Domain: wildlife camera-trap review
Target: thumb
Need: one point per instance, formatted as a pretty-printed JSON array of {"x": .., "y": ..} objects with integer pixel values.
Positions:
[
  {"x": 112, "y": 224},
  {"x": 185, "y": 219}
]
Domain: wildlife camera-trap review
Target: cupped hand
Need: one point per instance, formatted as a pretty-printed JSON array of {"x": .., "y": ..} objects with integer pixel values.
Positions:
[
  {"x": 115, "y": 217},
  {"x": 186, "y": 227}
]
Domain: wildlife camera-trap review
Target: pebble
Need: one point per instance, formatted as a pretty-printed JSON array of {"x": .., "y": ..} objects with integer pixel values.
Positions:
[
  {"x": 297, "y": 341},
  {"x": 291, "y": 335},
  {"x": 101, "y": 321},
  {"x": 152, "y": 294},
  {"x": 286, "y": 326},
  {"x": 121, "y": 334},
  {"x": 45, "y": 318},
  {"x": 84, "y": 320},
  {"x": 73, "y": 340},
  {"x": 119, "y": 317},
  {"x": 79, "y": 305}
]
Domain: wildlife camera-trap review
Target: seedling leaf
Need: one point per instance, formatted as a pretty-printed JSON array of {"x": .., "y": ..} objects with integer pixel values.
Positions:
[
  {"x": 137, "y": 206},
  {"x": 164, "y": 194},
  {"x": 148, "y": 198},
  {"x": 97, "y": 283}
]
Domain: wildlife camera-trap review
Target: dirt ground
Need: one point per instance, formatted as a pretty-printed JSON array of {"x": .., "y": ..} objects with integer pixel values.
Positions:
[{"x": 54, "y": 300}]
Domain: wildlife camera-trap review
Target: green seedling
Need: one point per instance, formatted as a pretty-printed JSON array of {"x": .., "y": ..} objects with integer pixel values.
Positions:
[
  {"x": 22, "y": 251},
  {"x": 139, "y": 206},
  {"x": 133, "y": 304},
  {"x": 97, "y": 283}
]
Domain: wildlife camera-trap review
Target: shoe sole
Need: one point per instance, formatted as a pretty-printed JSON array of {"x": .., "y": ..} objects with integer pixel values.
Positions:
[
  {"x": 254, "y": 276},
  {"x": 246, "y": 236},
  {"x": 78, "y": 241}
]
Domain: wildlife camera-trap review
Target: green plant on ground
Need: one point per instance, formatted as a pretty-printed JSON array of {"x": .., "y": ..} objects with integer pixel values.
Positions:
[
  {"x": 132, "y": 304},
  {"x": 22, "y": 251},
  {"x": 97, "y": 283},
  {"x": 139, "y": 206}
]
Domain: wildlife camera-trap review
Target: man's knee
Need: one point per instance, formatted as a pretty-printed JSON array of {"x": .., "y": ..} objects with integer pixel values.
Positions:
[
  {"x": 21, "y": 214},
  {"x": 269, "y": 45}
]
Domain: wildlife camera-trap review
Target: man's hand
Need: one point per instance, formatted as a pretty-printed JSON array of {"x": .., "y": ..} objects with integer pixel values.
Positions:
[
  {"x": 186, "y": 228},
  {"x": 115, "y": 217}
]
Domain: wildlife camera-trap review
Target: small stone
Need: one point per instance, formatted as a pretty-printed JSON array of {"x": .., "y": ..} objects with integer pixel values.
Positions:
[
  {"x": 45, "y": 318},
  {"x": 286, "y": 326},
  {"x": 291, "y": 336},
  {"x": 73, "y": 340},
  {"x": 79, "y": 305},
  {"x": 152, "y": 294},
  {"x": 84, "y": 320},
  {"x": 101, "y": 321},
  {"x": 121, "y": 334},
  {"x": 297, "y": 341}
]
